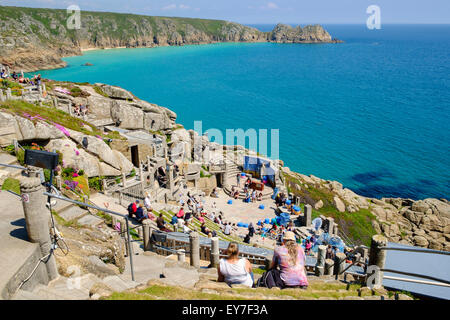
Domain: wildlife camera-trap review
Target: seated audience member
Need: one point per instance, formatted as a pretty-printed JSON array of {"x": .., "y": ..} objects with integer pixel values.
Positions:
[
  {"x": 140, "y": 215},
  {"x": 227, "y": 229},
  {"x": 161, "y": 224},
  {"x": 132, "y": 208},
  {"x": 259, "y": 197},
  {"x": 329, "y": 253},
  {"x": 185, "y": 227},
  {"x": 233, "y": 270},
  {"x": 187, "y": 216},
  {"x": 291, "y": 260},
  {"x": 180, "y": 213},
  {"x": 174, "y": 222},
  {"x": 214, "y": 193},
  {"x": 204, "y": 229}
]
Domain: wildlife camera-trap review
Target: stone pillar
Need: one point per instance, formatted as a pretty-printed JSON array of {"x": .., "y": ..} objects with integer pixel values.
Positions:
[
  {"x": 120, "y": 198},
  {"x": 307, "y": 215},
  {"x": 181, "y": 255},
  {"x": 329, "y": 267},
  {"x": 321, "y": 253},
  {"x": 140, "y": 233},
  {"x": 215, "y": 257},
  {"x": 147, "y": 234},
  {"x": 2, "y": 97},
  {"x": 330, "y": 225},
  {"x": 124, "y": 180},
  {"x": 194, "y": 243},
  {"x": 8, "y": 94},
  {"x": 171, "y": 179},
  {"x": 37, "y": 218},
  {"x": 377, "y": 256},
  {"x": 55, "y": 102},
  {"x": 339, "y": 263}
]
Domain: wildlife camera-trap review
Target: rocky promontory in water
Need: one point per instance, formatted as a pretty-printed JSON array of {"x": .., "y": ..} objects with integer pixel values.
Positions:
[
  {"x": 34, "y": 39},
  {"x": 84, "y": 145}
]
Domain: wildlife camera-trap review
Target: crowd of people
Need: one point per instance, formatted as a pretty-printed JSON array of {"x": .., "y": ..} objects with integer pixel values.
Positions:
[
  {"x": 288, "y": 266},
  {"x": 80, "y": 110},
  {"x": 20, "y": 78},
  {"x": 250, "y": 195}
]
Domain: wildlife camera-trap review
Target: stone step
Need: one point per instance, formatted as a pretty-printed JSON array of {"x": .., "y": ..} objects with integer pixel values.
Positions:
[
  {"x": 61, "y": 206},
  {"x": 26, "y": 295},
  {"x": 118, "y": 284},
  {"x": 180, "y": 275},
  {"x": 6, "y": 158},
  {"x": 72, "y": 213},
  {"x": 90, "y": 221},
  {"x": 62, "y": 293}
]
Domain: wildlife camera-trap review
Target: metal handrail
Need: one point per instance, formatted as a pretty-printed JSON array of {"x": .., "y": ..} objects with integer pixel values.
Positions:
[
  {"x": 417, "y": 250},
  {"x": 12, "y": 166},
  {"x": 130, "y": 248},
  {"x": 446, "y": 282}
]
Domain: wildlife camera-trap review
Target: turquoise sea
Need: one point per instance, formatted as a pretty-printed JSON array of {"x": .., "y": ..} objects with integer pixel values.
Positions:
[{"x": 372, "y": 113}]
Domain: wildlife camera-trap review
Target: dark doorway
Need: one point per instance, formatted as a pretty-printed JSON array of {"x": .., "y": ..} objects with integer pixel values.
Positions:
[{"x": 135, "y": 156}]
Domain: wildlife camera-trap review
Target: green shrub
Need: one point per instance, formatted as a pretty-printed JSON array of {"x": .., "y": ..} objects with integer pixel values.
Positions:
[{"x": 96, "y": 183}]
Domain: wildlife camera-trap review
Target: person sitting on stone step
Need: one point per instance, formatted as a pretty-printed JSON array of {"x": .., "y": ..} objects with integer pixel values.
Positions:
[
  {"x": 161, "y": 224},
  {"x": 140, "y": 215},
  {"x": 233, "y": 270}
]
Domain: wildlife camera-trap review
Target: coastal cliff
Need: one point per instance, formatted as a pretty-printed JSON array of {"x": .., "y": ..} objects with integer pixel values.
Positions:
[{"x": 35, "y": 39}]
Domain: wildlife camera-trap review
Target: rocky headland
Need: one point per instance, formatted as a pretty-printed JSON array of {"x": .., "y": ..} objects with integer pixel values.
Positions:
[{"x": 36, "y": 39}]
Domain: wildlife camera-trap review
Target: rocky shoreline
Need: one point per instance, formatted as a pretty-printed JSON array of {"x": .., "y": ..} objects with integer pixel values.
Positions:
[{"x": 36, "y": 39}]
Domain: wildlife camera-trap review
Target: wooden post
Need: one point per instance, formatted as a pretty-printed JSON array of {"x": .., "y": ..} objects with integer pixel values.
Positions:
[
  {"x": 377, "y": 256},
  {"x": 147, "y": 234},
  {"x": 214, "y": 252},
  {"x": 339, "y": 263},
  {"x": 194, "y": 243},
  {"x": 321, "y": 252},
  {"x": 328, "y": 267}
]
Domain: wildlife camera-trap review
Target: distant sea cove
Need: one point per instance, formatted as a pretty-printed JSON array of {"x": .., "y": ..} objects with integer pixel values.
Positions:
[{"x": 372, "y": 113}]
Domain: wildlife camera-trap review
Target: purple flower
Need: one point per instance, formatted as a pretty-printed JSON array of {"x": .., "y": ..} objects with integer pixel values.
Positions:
[{"x": 62, "y": 129}]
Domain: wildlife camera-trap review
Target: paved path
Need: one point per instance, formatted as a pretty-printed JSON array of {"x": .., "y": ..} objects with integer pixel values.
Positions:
[{"x": 15, "y": 248}]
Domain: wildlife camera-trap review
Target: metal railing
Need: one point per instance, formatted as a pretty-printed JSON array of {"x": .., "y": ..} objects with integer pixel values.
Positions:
[{"x": 82, "y": 204}]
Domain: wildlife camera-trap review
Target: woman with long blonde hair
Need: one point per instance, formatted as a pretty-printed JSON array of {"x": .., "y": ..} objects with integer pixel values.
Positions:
[
  {"x": 290, "y": 258},
  {"x": 233, "y": 270}
]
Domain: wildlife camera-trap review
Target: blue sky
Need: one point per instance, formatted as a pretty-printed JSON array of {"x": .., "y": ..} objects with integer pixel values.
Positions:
[{"x": 266, "y": 11}]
